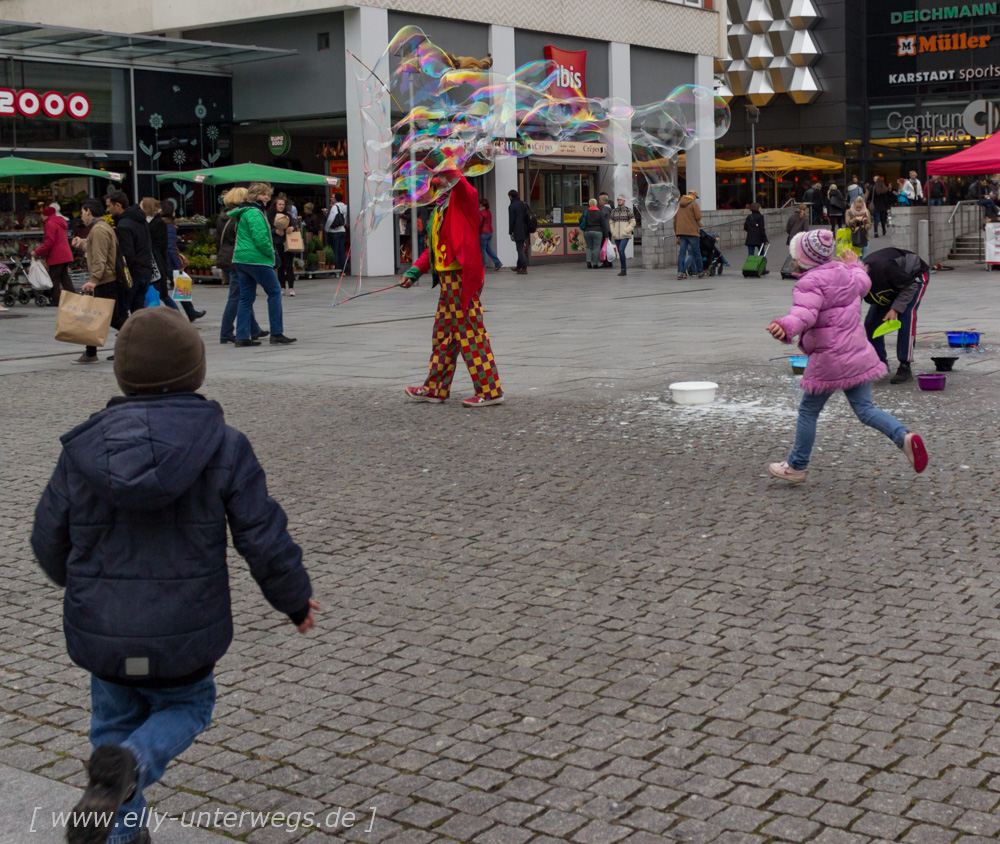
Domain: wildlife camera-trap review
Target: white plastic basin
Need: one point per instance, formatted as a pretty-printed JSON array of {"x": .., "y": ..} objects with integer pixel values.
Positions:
[{"x": 694, "y": 392}]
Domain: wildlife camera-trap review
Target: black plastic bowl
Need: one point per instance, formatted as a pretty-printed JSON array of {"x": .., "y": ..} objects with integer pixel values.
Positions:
[{"x": 944, "y": 364}]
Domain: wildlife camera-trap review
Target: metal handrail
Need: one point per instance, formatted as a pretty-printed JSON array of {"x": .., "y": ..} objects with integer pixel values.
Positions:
[
  {"x": 789, "y": 202},
  {"x": 958, "y": 205}
]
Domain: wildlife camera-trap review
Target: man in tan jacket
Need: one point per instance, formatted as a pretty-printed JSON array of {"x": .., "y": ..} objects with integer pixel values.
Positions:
[
  {"x": 101, "y": 248},
  {"x": 687, "y": 227}
]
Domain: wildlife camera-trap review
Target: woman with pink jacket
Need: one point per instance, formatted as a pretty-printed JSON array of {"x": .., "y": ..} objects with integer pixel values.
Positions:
[{"x": 826, "y": 315}]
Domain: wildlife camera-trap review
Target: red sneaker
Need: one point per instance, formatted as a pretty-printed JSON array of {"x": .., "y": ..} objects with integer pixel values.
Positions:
[
  {"x": 422, "y": 394},
  {"x": 916, "y": 452},
  {"x": 787, "y": 473},
  {"x": 481, "y": 401}
]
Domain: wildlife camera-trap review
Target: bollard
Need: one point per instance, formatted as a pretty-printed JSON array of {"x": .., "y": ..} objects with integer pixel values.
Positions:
[{"x": 924, "y": 240}]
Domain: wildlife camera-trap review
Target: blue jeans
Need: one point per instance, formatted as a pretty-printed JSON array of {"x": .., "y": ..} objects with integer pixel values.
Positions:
[
  {"x": 249, "y": 276},
  {"x": 879, "y": 217},
  {"x": 907, "y": 334},
  {"x": 689, "y": 253},
  {"x": 337, "y": 242},
  {"x": 936, "y": 202},
  {"x": 157, "y": 725},
  {"x": 620, "y": 246},
  {"x": 593, "y": 240},
  {"x": 227, "y": 332},
  {"x": 486, "y": 245},
  {"x": 860, "y": 398}
]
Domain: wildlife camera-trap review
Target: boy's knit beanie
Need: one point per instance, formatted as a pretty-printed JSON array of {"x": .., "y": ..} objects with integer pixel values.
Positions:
[
  {"x": 159, "y": 351},
  {"x": 812, "y": 248}
]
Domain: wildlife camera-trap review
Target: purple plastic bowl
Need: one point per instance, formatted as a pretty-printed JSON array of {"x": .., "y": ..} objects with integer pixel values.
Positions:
[{"x": 932, "y": 381}]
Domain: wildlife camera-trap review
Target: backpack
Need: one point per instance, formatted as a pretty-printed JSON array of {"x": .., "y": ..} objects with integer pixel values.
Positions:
[{"x": 531, "y": 221}]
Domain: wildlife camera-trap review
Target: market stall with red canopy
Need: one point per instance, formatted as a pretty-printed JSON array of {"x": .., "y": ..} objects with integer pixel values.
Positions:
[{"x": 982, "y": 158}]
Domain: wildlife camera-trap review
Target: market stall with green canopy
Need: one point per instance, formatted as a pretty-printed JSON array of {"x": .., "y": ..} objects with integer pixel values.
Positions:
[
  {"x": 248, "y": 173},
  {"x": 43, "y": 172}
]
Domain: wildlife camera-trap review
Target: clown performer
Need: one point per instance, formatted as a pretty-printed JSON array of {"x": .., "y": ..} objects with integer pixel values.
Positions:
[{"x": 454, "y": 257}]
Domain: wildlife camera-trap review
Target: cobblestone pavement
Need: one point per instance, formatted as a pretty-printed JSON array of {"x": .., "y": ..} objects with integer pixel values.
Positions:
[{"x": 586, "y": 617}]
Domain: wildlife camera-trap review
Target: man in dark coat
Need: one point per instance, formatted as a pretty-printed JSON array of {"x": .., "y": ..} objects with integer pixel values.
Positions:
[
  {"x": 133, "y": 524},
  {"x": 517, "y": 218},
  {"x": 135, "y": 245},
  {"x": 899, "y": 281}
]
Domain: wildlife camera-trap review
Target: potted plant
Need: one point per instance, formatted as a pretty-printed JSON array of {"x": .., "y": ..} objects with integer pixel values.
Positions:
[{"x": 329, "y": 257}]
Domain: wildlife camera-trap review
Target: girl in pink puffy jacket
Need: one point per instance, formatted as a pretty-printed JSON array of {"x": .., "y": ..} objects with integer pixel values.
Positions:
[{"x": 826, "y": 315}]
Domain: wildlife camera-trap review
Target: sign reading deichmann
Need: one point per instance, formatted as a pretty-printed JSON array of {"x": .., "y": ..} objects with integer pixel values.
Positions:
[{"x": 943, "y": 13}]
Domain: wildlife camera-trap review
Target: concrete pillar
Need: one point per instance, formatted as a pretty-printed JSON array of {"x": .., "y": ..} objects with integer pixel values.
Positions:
[
  {"x": 503, "y": 177},
  {"x": 366, "y": 30},
  {"x": 701, "y": 158},
  {"x": 620, "y": 86},
  {"x": 924, "y": 240}
]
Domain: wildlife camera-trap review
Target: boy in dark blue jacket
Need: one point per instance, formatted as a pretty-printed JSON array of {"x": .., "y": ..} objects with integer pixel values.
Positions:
[{"x": 133, "y": 524}]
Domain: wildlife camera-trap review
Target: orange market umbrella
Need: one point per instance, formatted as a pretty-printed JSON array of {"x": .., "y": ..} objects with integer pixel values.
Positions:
[{"x": 778, "y": 164}]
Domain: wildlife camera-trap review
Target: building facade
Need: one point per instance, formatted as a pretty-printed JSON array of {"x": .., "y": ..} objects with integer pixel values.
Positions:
[{"x": 299, "y": 109}]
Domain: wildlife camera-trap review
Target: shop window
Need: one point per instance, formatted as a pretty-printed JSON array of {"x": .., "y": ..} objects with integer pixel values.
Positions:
[{"x": 323, "y": 41}]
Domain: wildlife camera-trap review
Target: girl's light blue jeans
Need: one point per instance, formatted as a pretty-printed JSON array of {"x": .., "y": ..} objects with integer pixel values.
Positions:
[{"x": 860, "y": 398}]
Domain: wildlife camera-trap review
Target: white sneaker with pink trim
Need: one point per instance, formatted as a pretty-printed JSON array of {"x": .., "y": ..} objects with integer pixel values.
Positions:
[{"x": 787, "y": 473}]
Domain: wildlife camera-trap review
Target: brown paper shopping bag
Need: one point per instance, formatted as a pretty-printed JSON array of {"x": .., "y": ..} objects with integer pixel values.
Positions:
[
  {"x": 85, "y": 320},
  {"x": 293, "y": 241}
]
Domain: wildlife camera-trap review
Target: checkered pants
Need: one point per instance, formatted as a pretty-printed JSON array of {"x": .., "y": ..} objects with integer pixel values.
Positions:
[{"x": 457, "y": 330}]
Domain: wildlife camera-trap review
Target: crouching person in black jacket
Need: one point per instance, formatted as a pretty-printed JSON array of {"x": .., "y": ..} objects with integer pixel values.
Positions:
[{"x": 133, "y": 525}]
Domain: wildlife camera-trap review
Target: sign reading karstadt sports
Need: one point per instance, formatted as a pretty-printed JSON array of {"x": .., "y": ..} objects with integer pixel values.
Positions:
[{"x": 28, "y": 103}]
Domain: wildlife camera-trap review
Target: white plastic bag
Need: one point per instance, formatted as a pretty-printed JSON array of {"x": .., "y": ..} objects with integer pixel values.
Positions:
[
  {"x": 610, "y": 251},
  {"x": 38, "y": 275}
]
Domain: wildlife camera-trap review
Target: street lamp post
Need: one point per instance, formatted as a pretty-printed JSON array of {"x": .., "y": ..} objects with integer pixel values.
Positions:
[{"x": 753, "y": 115}]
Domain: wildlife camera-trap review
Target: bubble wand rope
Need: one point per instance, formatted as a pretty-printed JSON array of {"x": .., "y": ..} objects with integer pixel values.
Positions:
[{"x": 368, "y": 293}]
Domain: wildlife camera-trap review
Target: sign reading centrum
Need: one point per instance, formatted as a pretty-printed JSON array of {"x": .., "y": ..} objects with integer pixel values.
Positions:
[{"x": 943, "y": 13}]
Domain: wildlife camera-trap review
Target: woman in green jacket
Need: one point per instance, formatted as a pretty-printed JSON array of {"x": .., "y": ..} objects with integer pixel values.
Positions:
[{"x": 253, "y": 264}]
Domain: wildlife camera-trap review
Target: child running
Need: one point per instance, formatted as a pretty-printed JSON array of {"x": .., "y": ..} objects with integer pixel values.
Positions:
[
  {"x": 133, "y": 524},
  {"x": 826, "y": 314}
]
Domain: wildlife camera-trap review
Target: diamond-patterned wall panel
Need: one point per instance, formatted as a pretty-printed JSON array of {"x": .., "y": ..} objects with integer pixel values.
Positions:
[{"x": 770, "y": 50}]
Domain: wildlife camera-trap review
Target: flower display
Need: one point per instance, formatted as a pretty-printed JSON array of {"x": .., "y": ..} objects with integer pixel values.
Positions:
[
  {"x": 212, "y": 132},
  {"x": 179, "y": 157},
  {"x": 156, "y": 122}
]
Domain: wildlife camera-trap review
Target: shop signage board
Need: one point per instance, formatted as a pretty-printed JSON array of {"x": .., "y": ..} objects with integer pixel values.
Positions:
[
  {"x": 551, "y": 149},
  {"x": 992, "y": 243},
  {"x": 572, "y": 67},
  {"x": 28, "y": 103},
  {"x": 929, "y": 51},
  {"x": 279, "y": 143}
]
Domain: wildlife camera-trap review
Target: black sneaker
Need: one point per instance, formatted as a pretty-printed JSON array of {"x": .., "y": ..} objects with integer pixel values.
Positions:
[
  {"x": 281, "y": 340},
  {"x": 903, "y": 374},
  {"x": 225, "y": 340},
  {"x": 197, "y": 315},
  {"x": 113, "y": 780},
  {"x": 247, "y": 342}
]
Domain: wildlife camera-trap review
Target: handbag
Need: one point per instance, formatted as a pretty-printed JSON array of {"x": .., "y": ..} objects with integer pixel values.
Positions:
[
  {"x": 182, "y": 286},
  {"x": 858, "y": 236},
  {"x": 156, "y": 273},
  {"x": 38, "y": 275},
  {"x": 294, "y": 242},
  {"x": 84, "y": 320}
]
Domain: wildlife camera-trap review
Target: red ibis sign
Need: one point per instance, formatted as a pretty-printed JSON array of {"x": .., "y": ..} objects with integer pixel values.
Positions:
[{"x": 571, "y": 66}]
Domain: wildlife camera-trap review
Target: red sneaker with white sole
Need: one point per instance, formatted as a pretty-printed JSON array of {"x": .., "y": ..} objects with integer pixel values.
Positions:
[
  {"x": 481, "y": 401},
  {"x": 422, "y": 394},
  {"x": 916, "y": 452}
]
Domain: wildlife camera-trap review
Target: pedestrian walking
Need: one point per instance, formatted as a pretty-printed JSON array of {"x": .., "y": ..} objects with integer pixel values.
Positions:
[
  {"x": 163, "y": 235},
  {"x": 56, "y": 253},
  {"x": 284, "y": 265},
  {"x": 133, "y": 526},
  {"x": 754, "y": 226},
  {"x": 826, "y": 316},
  {"x": 101, "y": 248},
  {"x": 225, "y": 247},
  {"x": 881, "y": 201},
  {"x": 859, "y": 221},
  {"x": 837, "y": 206},
  {"x": 593, "y": 234},
  {"x": 854, "y": 190},
  {"x": 687, "y": 230},
  {"x": 253, "y": 264},
  {"x": 622, "y": 226},
  {"x": 486, "y": 234},
  {"x": 454, "y": 257},
  {"x": 336, "y": 228},
  {"x": 517, "y": 224},
  {"x": 604, "y": 202},
  {"x": 136, "y": 246},
  {"x": 797, "y": 222}
]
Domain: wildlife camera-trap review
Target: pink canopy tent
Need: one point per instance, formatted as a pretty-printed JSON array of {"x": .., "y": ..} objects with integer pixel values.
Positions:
[{"x": 984, "y": 157}]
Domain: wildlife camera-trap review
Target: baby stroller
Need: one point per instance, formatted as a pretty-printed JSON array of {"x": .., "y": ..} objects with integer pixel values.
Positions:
[{"x": 712, "y": 259}]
